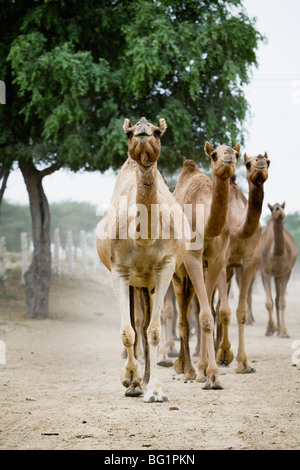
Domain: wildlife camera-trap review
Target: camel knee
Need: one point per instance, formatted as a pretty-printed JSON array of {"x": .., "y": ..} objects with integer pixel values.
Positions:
[
  {"x": 154, "y": 335},
  {"x": 242, "y": 316},
  {"x": 128, "y": 336},
  {"x": 269, "y": 305},
  {"x": 206, "y": 323},
  {"x": 225, "y": 317}
]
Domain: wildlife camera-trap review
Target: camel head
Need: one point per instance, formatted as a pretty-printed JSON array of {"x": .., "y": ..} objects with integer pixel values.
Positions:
[
  {"x": 257, "y": 168},
  {"x": 144, "y": 140},
  {"x": 277, "y": 211},
  {"x": 223, "y": 159}
]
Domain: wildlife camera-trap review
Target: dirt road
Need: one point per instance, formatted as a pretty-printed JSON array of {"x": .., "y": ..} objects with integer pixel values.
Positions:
[{"x": 60, "y": 387}]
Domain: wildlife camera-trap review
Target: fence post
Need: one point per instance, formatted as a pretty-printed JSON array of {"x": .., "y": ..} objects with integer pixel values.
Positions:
[
  {"x": 3, "y": 276},
  {"x": 96, "y": 258},
  {"x": 24, "y": 256},
  {"x": 70, "y": 259},
  {"x": 84, "y": 253},
  {"x": 57, "y": 269}
]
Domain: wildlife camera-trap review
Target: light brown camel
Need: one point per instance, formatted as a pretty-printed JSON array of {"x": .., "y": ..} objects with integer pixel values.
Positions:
[
  {"x": 243, "y": 252},
  {"x": 197, "y": 189},
  {"x": 277, "y": 258},
  {"x": 132, "y": 244}
]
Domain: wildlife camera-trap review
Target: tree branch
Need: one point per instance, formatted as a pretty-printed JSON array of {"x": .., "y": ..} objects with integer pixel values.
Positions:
[
  {"x": 50, "y": 169},
  {"x": 3, "y": 176}
]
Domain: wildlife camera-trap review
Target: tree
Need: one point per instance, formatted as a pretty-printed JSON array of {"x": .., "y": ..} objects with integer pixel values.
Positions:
[{"x": 75, "y": 70}]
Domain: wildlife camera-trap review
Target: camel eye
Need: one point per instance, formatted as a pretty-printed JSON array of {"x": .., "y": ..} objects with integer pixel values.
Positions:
[
  {"x": 157, "y": 132},
  {"x": 248, "y": 165},
  {"x": 128, "y": 134}
]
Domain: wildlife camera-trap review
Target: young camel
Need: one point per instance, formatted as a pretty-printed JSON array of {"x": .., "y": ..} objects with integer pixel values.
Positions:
[
  {"x": 243, "y": 252},
  {"x": 277, "y": 258},
  {"x": 197, "y": 189},
  {"x": 134, "y": 249}
]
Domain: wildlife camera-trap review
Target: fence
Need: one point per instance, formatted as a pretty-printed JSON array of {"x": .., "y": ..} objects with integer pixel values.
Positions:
[{"x": 82, "y": 261}]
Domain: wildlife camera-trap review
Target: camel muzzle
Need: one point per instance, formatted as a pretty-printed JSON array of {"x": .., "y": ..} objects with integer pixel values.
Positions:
[
  {"x": 229, "y": 160},
  {"x": 143, "y": 133}
]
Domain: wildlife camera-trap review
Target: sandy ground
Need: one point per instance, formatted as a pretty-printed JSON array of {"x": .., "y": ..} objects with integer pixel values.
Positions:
[{"x": 60, "y": 386}]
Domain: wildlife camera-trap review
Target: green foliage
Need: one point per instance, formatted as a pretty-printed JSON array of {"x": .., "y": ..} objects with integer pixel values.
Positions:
[
  {"x": 75, "y": 216},
  {"x": 68, "y": 215},
  {"x": 14, "y": 220},
  {"x": 76, "y": 70}
]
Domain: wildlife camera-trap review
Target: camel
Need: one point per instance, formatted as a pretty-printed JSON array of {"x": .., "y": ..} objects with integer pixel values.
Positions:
[
  {"x": 243, "y": 252},
  {"x": 277, "y": 258},
  {"x": 131, "y": 243},
  {"x": 196, "y": 188}
]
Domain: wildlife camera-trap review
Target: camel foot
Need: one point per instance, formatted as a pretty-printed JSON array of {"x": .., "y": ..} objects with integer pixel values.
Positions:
[
  {"x": 271, "y": 329},
  {"x": 178, "y": 365},
  {"x": 284, "y": 335},
  {"x": 154, "y": 394},
  {"x": 269, "y": 332},
  {"x": 244, "y": 368},
  {"x": 190, "y": 374},
  {"x": 213, "y": 383},
  {"x": 165, "y": 363},
  {"x": 133, "y": 391},
  {"x": 224, "y": 357}
]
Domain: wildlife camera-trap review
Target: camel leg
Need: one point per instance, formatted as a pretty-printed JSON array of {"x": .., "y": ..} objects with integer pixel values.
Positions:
[
  {"x": 138, "y": 319},
  {"x": 147, "y": 313},
  {"x": 277, "y": 302},
  {"x": 198, "y": 331},
  {"x": 248, "y": 271},
  {"x": 184, "y": 292},
  {"x": 271, "y": 328},
  {"x": 224, "y": 354},
  {"x": 282, "y": 305},
  {"x": 251, "y": 318},
  {"x": 207, "y": 366},
  {"x": 164, "y": 276},
  {"x": 169, "y": 316},
  {"x": 131, "y": 376},
  {"x": 168, "y": 345}
]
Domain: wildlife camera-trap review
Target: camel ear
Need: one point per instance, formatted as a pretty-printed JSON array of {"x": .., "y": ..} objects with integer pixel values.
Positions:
[
  {"x": 127, "y": 124},
  {"x": 283, "y": 205},
  {"x": 208, "y": 148},
  {"x": 266, "y": 155},
  {"x": 237, "y": 147},
  {"x": 162, "y": 125},
  {"x": 245, "y": 157},
  {"x": 270, "y": 207}
]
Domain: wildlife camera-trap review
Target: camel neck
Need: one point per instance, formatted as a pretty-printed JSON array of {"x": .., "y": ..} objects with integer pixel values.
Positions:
[
  {"x": 219, "y": 207},
  {"x": 254, "y": 208},
  {"x": 146, "y": 193},
  {"x": 278, "y": 237},
  {"x": 146, "y": 179}
]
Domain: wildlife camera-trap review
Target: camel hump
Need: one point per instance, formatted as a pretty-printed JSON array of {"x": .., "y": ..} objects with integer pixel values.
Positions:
[{"x": 190, "y": 165}]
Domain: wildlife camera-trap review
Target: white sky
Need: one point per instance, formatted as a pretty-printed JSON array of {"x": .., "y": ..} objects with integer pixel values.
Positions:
[{"x": 274, "y": 97}]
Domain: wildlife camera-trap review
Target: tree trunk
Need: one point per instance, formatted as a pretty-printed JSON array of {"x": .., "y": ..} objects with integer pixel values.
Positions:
[
  {"x": 4, "y": 174},
  {"x": 37, "y": 278}
]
